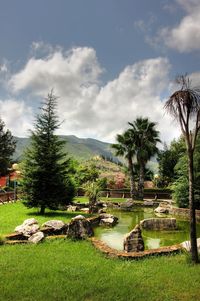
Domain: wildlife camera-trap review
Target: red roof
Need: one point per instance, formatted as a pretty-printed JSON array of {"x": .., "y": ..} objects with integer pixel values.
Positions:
[{"x": 3, "y": 181}]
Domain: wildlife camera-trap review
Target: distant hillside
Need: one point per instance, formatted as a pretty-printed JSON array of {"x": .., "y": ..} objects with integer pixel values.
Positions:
[{"x": 79, "y": 148}]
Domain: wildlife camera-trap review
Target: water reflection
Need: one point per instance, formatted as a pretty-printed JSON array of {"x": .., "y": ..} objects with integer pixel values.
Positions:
[{"x": 153, "y": 239}]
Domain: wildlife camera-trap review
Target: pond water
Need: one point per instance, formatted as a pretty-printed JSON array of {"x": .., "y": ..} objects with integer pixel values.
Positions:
[{"x": 114, "y": 237}]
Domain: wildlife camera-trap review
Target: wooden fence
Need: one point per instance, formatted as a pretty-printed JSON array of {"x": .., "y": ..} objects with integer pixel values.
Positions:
[
  {"x": 6, "y": 197},
  {"x": 122, "y": 193}
]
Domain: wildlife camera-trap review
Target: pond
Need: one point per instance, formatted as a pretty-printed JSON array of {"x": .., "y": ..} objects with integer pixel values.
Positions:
[{"x": 114, "y": 237}]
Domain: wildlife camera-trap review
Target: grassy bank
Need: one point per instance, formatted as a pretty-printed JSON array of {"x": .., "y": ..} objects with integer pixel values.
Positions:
[
  {"x": 67, "y": 270},
  {"x": 12, "y": 215}
]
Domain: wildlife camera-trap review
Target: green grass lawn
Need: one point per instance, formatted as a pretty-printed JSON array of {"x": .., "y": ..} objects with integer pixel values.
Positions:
[
  {"x": 12, "y": 215},
  {"x": 67, "y": 270}
]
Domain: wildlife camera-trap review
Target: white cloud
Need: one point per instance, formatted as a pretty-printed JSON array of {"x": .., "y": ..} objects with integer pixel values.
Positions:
[
  {"x": 65, "y": 71},
  {"x": 185, "y": 36},
  {"x": 90, "y": 109},
  {"x": 17, "y": 116}
]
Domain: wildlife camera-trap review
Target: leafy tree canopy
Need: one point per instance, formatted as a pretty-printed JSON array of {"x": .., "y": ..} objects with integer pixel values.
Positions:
[{"x": 7, "y": 148}]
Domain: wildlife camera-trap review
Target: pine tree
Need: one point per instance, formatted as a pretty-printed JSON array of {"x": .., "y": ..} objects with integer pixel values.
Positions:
[
  {"x": 46, "y": 171},
  {"x": 7, "y": 148}
]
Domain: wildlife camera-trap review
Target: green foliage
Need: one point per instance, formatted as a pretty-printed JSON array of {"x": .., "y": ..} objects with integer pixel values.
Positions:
[
  {"x": 7, "y": 148},
  {"x": 180, "y": 192},
  {"x": 167, "y": 159},
  {"x": 138, "y": 143},
  {"x": 180, "y": 186},
  {"x": 92, "y": 190},
  {"x": 46, "y": 171},
  {"x": 144, "y": 137},
  {"x": 85, "y": 172}
]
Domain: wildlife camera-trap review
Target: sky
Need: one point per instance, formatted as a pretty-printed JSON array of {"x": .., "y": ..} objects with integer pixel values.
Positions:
[{"x": 108, "y": 61}]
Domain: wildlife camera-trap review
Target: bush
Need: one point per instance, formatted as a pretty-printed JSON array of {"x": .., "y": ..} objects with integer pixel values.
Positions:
[{"x": 181, "y": 192}]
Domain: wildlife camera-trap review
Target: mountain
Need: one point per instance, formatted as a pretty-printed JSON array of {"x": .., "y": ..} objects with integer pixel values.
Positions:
[{"x": 79, "y": 148}]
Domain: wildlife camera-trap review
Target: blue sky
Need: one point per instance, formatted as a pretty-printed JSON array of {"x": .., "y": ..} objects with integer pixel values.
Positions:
[{"x": 108, "y": 61}]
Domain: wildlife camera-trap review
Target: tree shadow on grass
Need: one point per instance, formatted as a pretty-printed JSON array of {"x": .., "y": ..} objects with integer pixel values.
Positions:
[{"x": 58, "y": 214}]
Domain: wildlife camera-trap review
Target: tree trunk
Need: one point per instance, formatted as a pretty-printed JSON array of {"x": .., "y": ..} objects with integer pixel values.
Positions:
[
  {"x": 132, "y": 182},
  {"x": 141, "y": 182},
  {"x": 42, "y": 209},
  {"x": 92, "y": 205},
  {"x": 193, "y": 236}
]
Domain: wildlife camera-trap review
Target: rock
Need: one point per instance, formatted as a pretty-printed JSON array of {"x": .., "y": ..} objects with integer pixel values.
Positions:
[
  {"x": 101, "y": 211},
  {"x": 164, "y": 207},
  {"x": 78, "y": 217},
  {"x": 94, "y": 220},
  {"x": 148, "y": 203},
  {"x": 55, "y": 224},
  {"x": 37, "y": 237},
  {"x": 129, "y": 204},
  {"x": 15, "y": 236},
  {"x": 187, "y": 246},
  {"x": 48, "y": 231},
  {"x": 72, "y": 208},
  {"x": 79, "y": 228},
  {"x": 158, "y": 224},
  {"x": 30, "y": 222},
  {"x": 107, "y": 222},
  {"x": 133, "y": 241},
  {"x": 27, "y": 230},
  {"x": 85, "y": 210},
  {"x": 107, "y": 219}
]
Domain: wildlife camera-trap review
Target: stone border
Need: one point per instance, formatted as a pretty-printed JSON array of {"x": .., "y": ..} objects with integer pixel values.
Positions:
[
  {"x": 184, "y": 212},
  {"x": 113, "y": 253}
]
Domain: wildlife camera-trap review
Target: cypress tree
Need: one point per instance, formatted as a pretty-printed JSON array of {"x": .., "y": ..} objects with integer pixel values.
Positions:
[{"x": 46, "y": 171}]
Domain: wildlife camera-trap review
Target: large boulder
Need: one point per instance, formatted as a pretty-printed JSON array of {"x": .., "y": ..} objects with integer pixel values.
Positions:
[
  {"x": 85, "y": 210},
  {"x": 107, "y": 220},
  {"x": 133, "y": 241},
  {"x": 55, "y": 224},
  {"x": 163, "y": 208},
  {"x": 28, "y": 228},
  {"x": 79, "y": 228},
  {"x": 128, "y": 205},
  {"x": 72, "y": 208},
  {"x": 148, "y": 203},
  {"x": 30, "y": 222},
  {"x": 158, "y": 224},
  {"x": 53, "y": 227},
  {"x": 187, "y": 245},
  {"x": 37, "y": 237}
]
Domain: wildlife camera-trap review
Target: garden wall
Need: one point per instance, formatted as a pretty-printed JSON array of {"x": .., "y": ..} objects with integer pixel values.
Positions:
[
  {"x": 148, "y": 194},
  {"x": 184, "y": 212},
  {"x": 133, "y": 255}
]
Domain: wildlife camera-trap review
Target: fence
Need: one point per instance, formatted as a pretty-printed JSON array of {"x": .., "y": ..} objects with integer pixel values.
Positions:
[
  {"x": 125, "y": 193},
  {"x": 6, "y": 197}
]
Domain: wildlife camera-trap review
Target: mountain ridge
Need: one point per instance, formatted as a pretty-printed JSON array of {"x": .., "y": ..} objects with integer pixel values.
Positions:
[{"x": 79, "y": 148}]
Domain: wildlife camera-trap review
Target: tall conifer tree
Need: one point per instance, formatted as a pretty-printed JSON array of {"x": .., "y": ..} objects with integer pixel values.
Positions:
[{"x": 46, "y": 172}]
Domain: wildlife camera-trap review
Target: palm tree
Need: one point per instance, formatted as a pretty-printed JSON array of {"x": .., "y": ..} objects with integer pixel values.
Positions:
[
  {"x": 184, "y": 105},
  {"x": 92, "y": 190},
  {"x": 125, "y": 148},
  {"x": 145, "y": 137}
]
